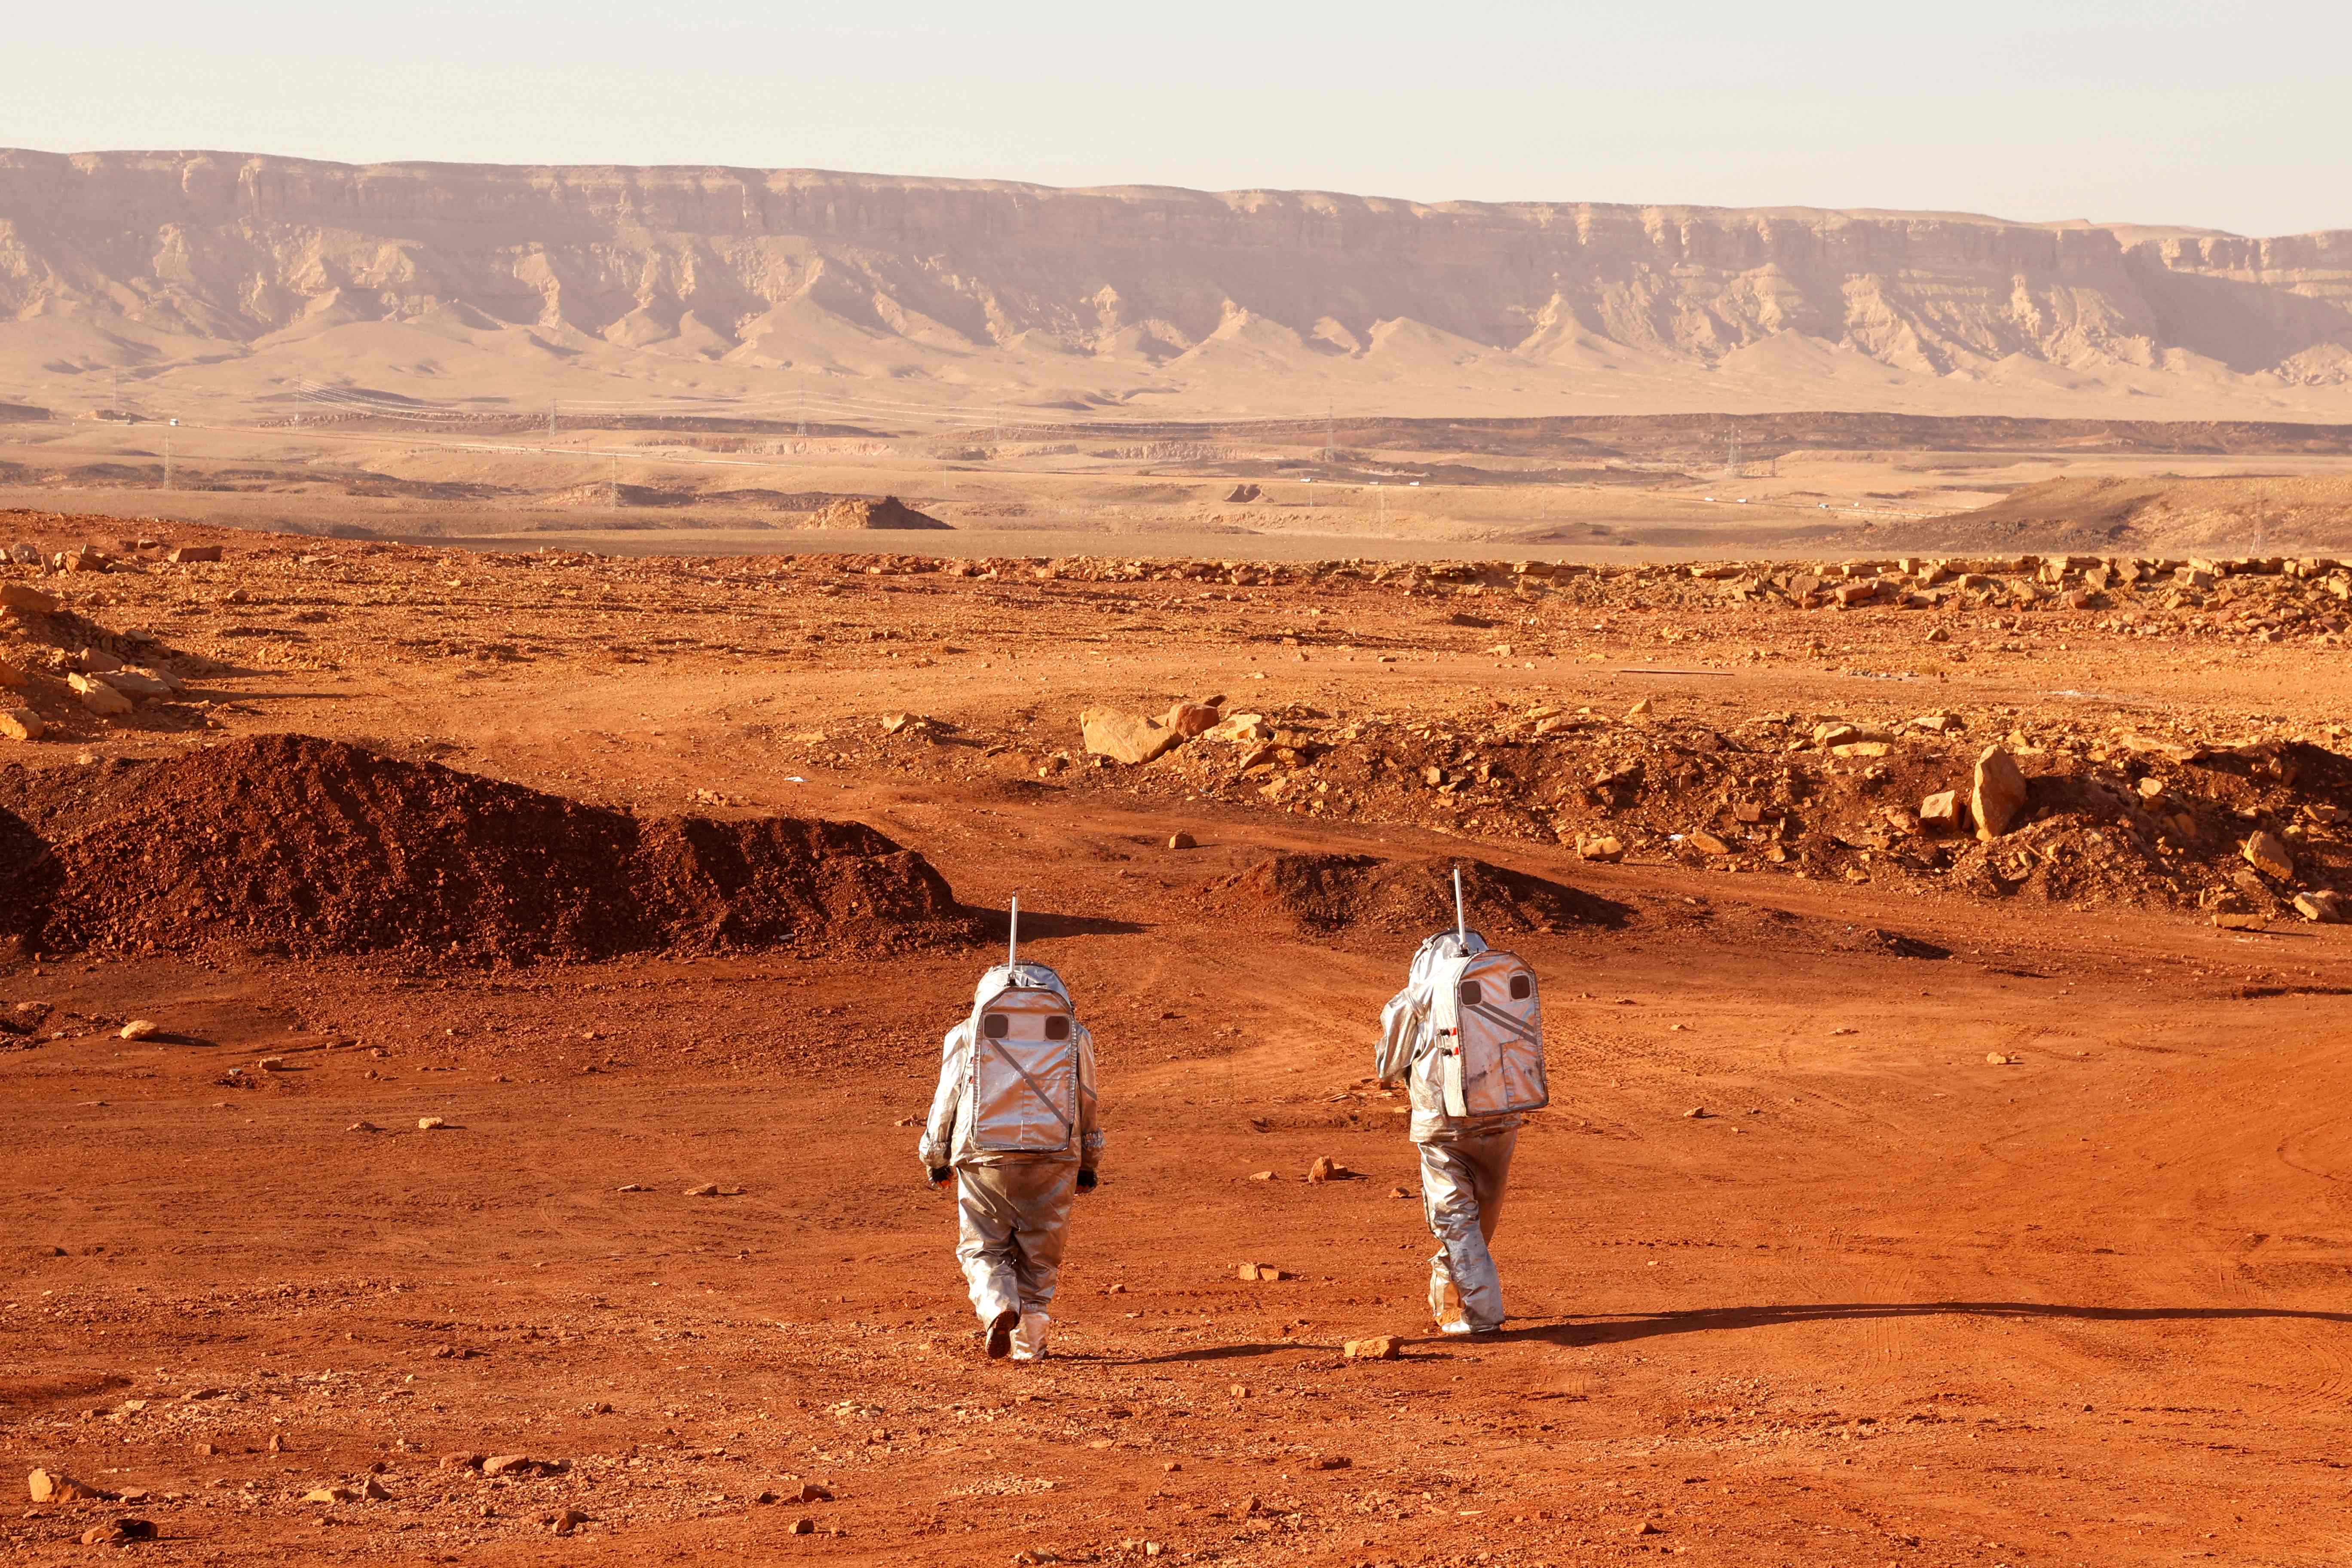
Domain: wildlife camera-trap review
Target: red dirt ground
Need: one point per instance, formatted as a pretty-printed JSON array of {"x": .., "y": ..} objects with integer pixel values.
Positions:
[{"x": 1887, "y": 1302}]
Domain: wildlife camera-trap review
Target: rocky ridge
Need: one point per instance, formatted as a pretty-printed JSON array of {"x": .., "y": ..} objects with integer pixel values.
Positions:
[{"x": 875, "y": 276}]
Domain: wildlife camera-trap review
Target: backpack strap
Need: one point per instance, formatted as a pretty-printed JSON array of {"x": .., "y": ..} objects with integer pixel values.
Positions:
[
  {"x": 1035, "y": 1087},
  {"x": 1510, "y": 1021}
]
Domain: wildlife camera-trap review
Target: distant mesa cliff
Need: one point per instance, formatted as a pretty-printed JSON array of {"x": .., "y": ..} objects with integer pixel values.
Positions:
[{"x": 240, "y": 273}]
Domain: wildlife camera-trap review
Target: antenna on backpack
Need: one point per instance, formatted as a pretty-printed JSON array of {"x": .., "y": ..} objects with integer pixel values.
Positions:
[
  {"x": 1012, "y": 942},
  {"x": 1461, "y": 926}
]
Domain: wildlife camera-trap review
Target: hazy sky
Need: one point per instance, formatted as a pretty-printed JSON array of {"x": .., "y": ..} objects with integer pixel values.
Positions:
[{"x": 2222, "y": 115}]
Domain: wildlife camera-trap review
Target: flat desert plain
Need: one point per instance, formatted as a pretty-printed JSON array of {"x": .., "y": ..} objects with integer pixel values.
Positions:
[{"x": 455, "y": 1107}]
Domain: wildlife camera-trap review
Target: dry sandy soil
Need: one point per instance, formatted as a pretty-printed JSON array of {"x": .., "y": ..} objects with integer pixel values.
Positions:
[
  {"x": 1887, "y": 1302},
  {"x": 1822, "y": 485}
]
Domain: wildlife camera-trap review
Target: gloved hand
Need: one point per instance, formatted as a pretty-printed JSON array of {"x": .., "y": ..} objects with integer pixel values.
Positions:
[
  {"x": 1087, "y": 1180},
  {"x": 941, "y": 1176}
]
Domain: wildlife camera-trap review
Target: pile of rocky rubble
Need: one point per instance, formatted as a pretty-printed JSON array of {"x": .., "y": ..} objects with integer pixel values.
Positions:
[
  {"x": 2060, "y": 810},
  {"x": 2268, "y": 599},
  {"x": 53, "y": 658}
]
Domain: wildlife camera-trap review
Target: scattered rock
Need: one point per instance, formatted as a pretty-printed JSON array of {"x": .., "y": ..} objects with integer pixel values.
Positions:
[
  {"x": 2265, "y": 854},
  {"x": 2231, "y": 919},
  {"x": 138, "y": 1029},
  {"x": 21, "y": 724},
  {"x": 810, "y": 1492},
  {"x": 1380, "y": 1347},
  {"x": 1327, "y": 1169},
  {"x": 2323, "y": 905},
  {"x": 98, "y": 697},
  {"x": 1941, "y": 812},
  {"x": 1998, "y": 1058},
  {"x": 462, "y": 1460},
  {"x": 58, "y": 1487},
  {"x": 565, "y": 1521},
  {"x": 1708, "y": 844},
  {"x": 707, "y": 1190},
  {"x": 805, "y": 1525},
  {"x": 1261, "y": 1176},
  {"x": 1606, "y": 848},
  {"x": 333, "y": 1494},
  {"x": 188, "y": 554},
  {"x": 25, "y": 599},
  {"x": 362, "y": 1127},
  {"x": 1241, "y": 727},
  {"x": 1190, "y": 718},
  {"x": 509, "y": 1464},
  {"x": 1999, "y": 796},
  {"x": 1327, "y": 1462},
  {"x": 118, "y": 1532},
  {"x": 1131, "y": 738},
  {"x": 1264, "y": 1271},
  {"x": 1697, "y": 1113},
  {"x": 430, "y": 1123},
  {"x": 1182, "y": 841}
]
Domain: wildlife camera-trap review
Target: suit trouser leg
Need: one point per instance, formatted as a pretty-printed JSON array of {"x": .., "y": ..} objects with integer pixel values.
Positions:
[
  {"x": 1011, "y": 1222},
  {"x": 1462, "y": 1188}
]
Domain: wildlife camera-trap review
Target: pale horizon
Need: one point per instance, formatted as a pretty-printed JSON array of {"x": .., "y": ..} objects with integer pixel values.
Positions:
[{"x": 2083, "y": 110}]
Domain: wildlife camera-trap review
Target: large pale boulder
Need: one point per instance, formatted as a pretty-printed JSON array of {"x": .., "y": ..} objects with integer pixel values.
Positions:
[
  {"x": 21, "y": 724},
  {"x": 2267, "y": 855},
  {"x": 98, "y": 697},
  {"x": 140, "y": 684},
  {"x": 24, "y": 597},
  {"x": 1129, "y": 738},
  {"x": 1190, "y": 718},
  {"x": 1999, "y": 796}
]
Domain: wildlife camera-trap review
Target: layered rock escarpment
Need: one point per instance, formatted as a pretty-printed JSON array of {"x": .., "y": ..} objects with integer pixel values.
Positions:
[{"x": 828, "y": 271}]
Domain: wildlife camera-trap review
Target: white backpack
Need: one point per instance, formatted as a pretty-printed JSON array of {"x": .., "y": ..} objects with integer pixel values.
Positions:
[
  {"x": 1022, "y": 1079},
  {"x": 1484, "y": 1053},
  {"x": 1468, "y": 1026}
]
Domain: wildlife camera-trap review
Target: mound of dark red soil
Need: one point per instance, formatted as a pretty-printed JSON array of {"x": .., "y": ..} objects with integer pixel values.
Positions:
[
  {"x": 888, "y": 512},
  {"x": 290, "y": 844},
  {"x": 1325, "y": 893}
]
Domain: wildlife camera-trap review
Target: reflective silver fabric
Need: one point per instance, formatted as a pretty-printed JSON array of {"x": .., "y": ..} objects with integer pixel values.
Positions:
[
  {"x": 1011, "y": 1221},
  {"x": 948, "y": 1136},
  {"x": 1024, "y": 1082},
  {"x": 1404, "y": 1053},
  {"x": 1497, "y": 1067},
  {"x": 1462, "y": 1184}
]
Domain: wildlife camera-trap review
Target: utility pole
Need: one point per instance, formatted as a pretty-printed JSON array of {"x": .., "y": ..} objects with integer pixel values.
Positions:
[
  {"x": 1329, "y": 443},
  {"x": 551, "y": 418},
  {"x": 167, "y": 456}
]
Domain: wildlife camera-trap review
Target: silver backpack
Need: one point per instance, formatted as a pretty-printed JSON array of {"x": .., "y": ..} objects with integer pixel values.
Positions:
[
  {"x": 1484, "y": 1053},
  {"x": 1022, "y": 1079}
]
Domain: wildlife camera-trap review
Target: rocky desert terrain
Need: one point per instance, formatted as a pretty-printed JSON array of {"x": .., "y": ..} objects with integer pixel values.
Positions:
[{"x": 463, "y": 1012}]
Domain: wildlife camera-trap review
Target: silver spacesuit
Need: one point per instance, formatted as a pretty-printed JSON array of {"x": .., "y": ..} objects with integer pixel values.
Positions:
[
  {"x": 1466, "y": 1161},
  {"x": 1013, "y": 1191}
]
